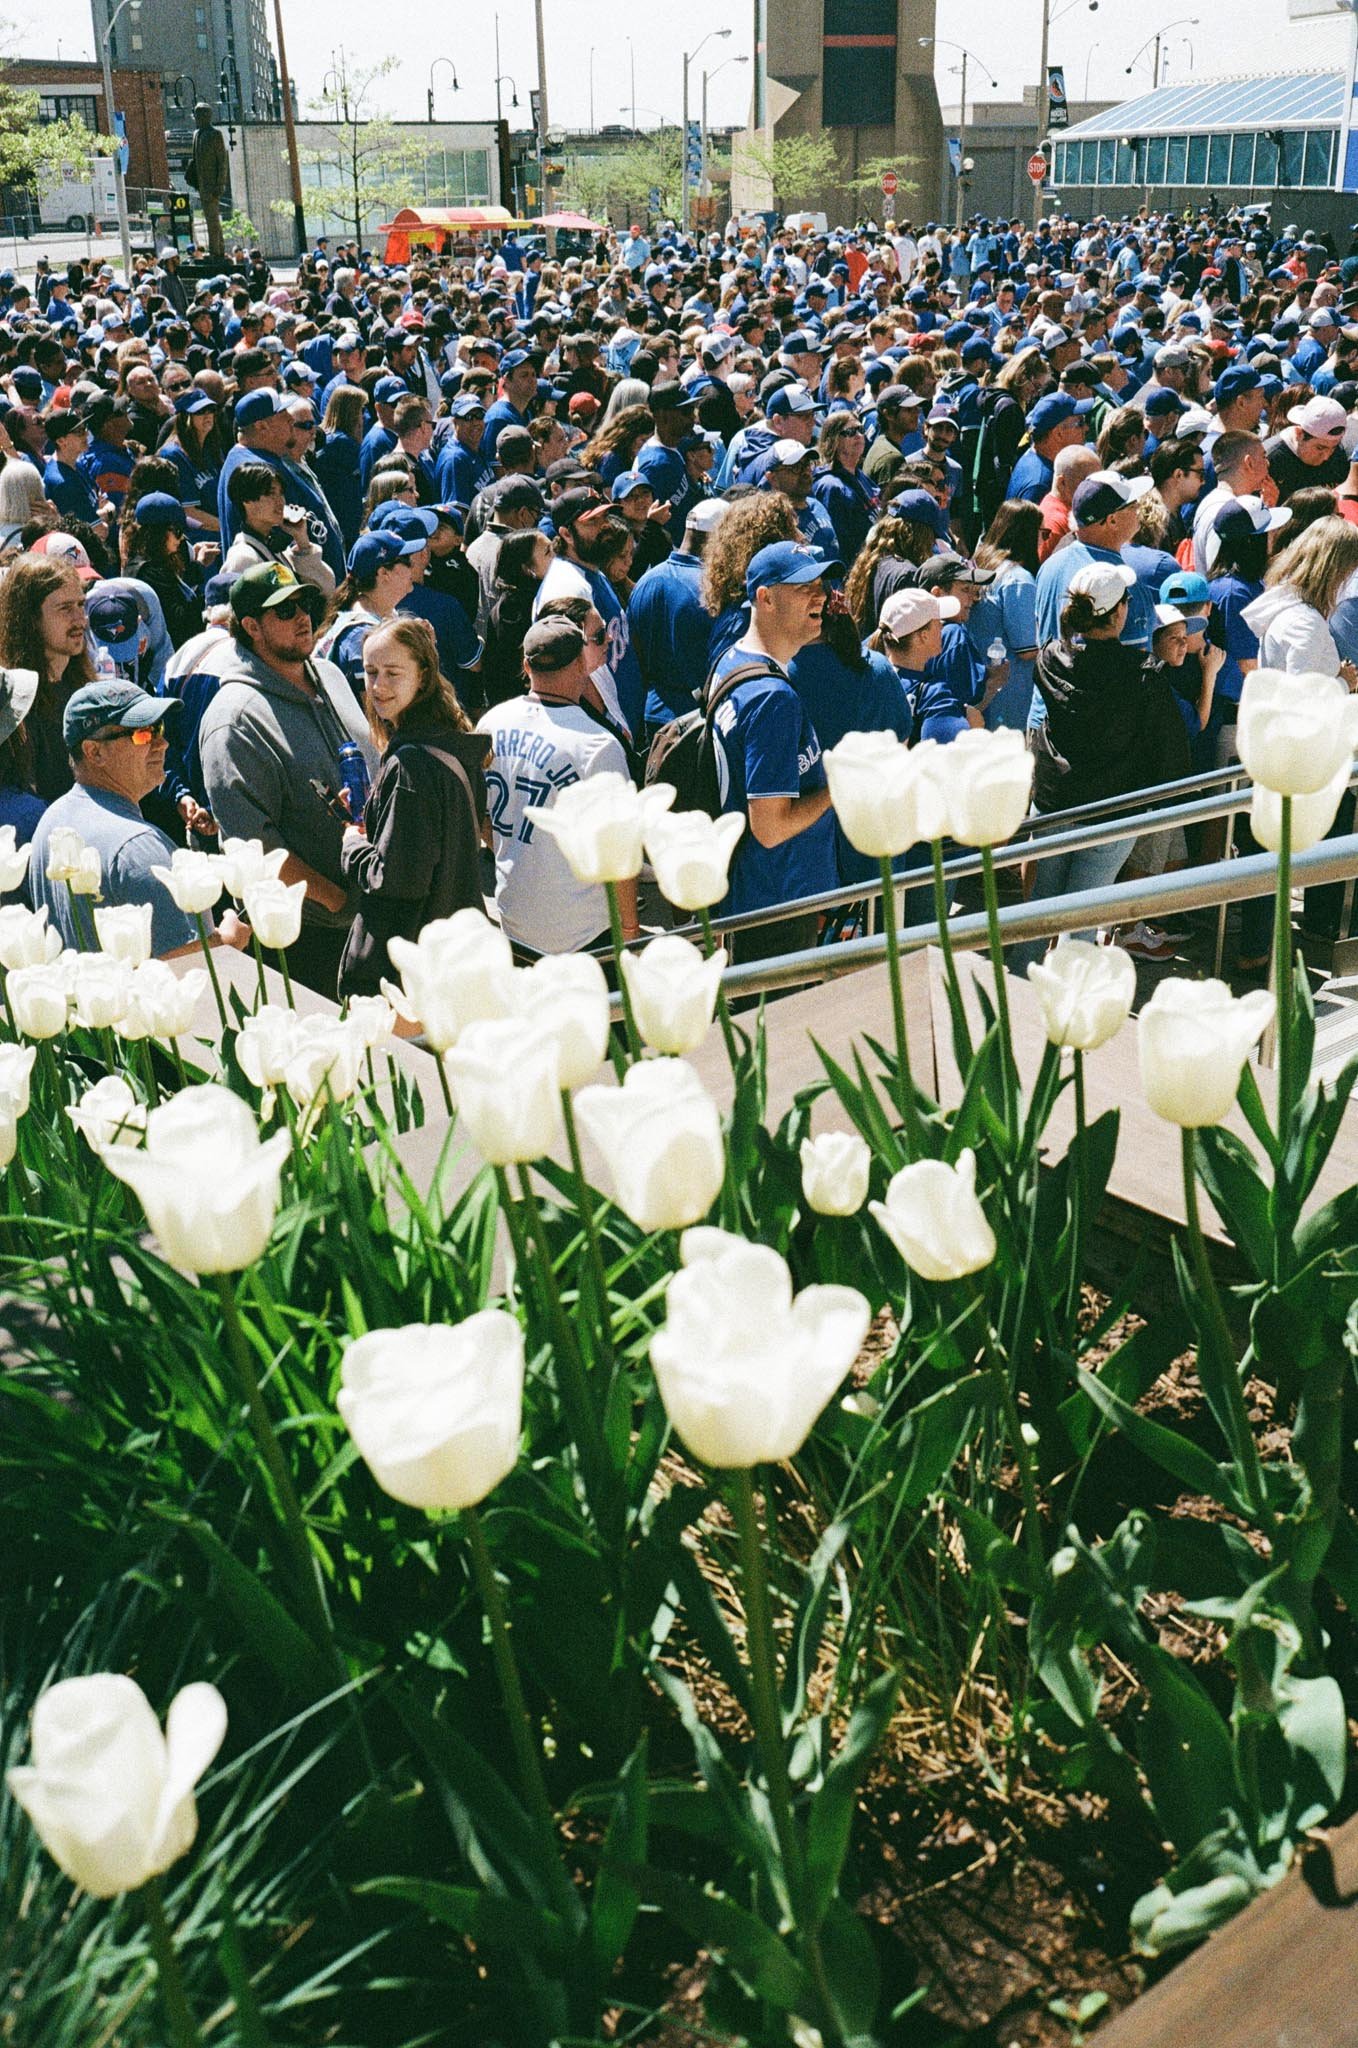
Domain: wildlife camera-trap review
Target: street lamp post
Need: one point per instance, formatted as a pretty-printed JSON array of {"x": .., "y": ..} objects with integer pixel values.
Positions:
[
  {"x": 290, "y": 131},
  {"x": 429, "y": 96},
  {"x": 542, "y": 122},
  {"x": 119, "y": 183},
  {"x": 942, "y": 42},
  {"x": 1040, "y": 122},
  {"x": 591, "y": 88},
  {"x": 1158, "y": 41},
  {"x": 703, "y": 181},
  {"x": 689, "y": 55}
]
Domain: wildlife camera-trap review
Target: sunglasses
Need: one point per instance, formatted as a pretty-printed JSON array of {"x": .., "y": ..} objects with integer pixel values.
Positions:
[
  {"x": 143, "y": 736},
  {"x": 288, "y": 609}
]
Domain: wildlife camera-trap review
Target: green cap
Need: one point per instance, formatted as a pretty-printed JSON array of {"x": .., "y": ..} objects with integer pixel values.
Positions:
[{"x": 269, "y": 584}]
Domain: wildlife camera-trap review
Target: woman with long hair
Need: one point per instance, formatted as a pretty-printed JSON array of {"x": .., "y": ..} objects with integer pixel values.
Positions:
[
  {"x": 378, "y": 578},
  {"x": 42, "y": 627},
  {"x": 1123, "y": 437},
  {"x": 522, "y": 562},
  {"x": 416, "y": 855},
  {"x": 390, "y": 480},
  {"x": 1007, "y": 611},
  {"x": 892, "y": 544},
  {"x": 615, "y": 445},
  {"x": 1291, "y": 615},
  {"x": 753, "y": 522},
  {"x": 847, "y": 687},
  {"x": 849, "y": 497},
  {"x": 155, "y": 536},
  {"x": 336, "y": 458},
  {"x": 188, "y": 445}
]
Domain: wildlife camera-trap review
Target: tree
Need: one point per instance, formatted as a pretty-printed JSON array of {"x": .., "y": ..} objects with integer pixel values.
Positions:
[
  {"x": 796, "y": 168},
  {"x": 31, "y": 149},
  {"x": 363, "y": 163},
  {"x": 622, "y": 180},
  {"x": 869, "y": 177}
]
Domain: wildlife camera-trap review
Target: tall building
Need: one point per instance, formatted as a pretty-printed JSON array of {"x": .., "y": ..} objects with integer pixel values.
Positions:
[
  {"x": 214, "y": 50},
  {"x": 855, "y": 70}
]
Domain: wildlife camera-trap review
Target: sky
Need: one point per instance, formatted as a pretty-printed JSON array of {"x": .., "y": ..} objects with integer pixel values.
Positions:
[{"x": 1242, "y": 36}]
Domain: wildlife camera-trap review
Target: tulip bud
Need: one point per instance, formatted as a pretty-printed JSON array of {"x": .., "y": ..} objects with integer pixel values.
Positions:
[
  {"x": 193, "y": 880},
  {"x": 566, "y": 995},
  {"x": 1194, "y": 1038},
  {"x": 167, "y": 1002},
  {"x": 1085, "y": 992},
  {"x": 327, "y": 1053},
  {"x": 505, "y": 1075},
  {"x": 691, "y": 855},
  {"x": 458, "y": 972},
  {"x": 674, "y": 992},
  {"x": 436, "y": 1410},
  {"x": 109, "y": 1114},
  {"x": 65, "y": 852},
  {"x": 372, "y": 1018},
  {"x": 16, "y": 1069},
  {"x": 9, "y": 1129},
  {"x": 1295, "y": 732},
  {"x": 26, "y": 938},
  {"x": 273, "y": 911},
  {"x": 599, "y": 824},
  {"x": 265, "y": 1043},
  {"x": 244, "y": 862},
  {"x": 932, "y": 1216},
  {"x": 124, "y": 932},
  {"x": 883, "y": 802},
  {"x": 38, "y": 999},
  {"x": 987, "y": 780},
  {"x": 743, "y": 1368},
  {"x": 835, "y": 1169},
  {"x": 13, "y": 861},
  {"x": 110, "y": 1796},
  {"x": 209, "y": 1187},
  {"x": 660, "y": 1137},
  {"x": 100, "y": 988},
  {"x": 86, "y": 875},
  {"x": 1312, "y": 816}
]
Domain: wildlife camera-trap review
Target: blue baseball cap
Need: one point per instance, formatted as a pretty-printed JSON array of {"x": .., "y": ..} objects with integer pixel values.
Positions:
[
  {"x": 1049, "y": 412},
  {"x": 411, "y": 522},
  {"x": 114, "y": 621},
  {"x": 978, "y": 350},
  {"x": 390, "y": 390},
  {"x": 633, "y": 480},
  {"x": 1235, "y": 383},
  {"x": 1185, "y": 587},
  {"x": 466, "y": 405},
  {"x": 374, "y": 551},
  {"x": 513, "y": 359},
  {"x": 1164, "y": 400},
  {"x": 789, "y": 398},
  {"x": 922, "y": 510},
  {"x": 256, "y": 406},
  {"x": 113, "y": 703},
  {"x": 193, "y": 400},
  {"x": 783, "y": 563},
  {"x": 160, "y": 509}
]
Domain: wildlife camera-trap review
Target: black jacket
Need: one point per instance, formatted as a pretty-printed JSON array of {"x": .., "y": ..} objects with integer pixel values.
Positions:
[
  {"x": 421, "y": 859},
  {"x": 1112, "y": 724}
]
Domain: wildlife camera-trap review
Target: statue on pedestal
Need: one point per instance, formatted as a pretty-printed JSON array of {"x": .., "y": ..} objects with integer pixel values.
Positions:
[{"x": 208, "y": 171}]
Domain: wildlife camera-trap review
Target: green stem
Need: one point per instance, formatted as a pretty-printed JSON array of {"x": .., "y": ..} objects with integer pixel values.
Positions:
[
  {"x": 1008, "y": 1075},
  {"x": 1282, "y": 974},
  {"x": 211, "y": 968},
  {"x": 287, "y": 978},
  {"x": 285, "y": 1493},
  {"x": 914, "y": 1144},
  {"x": 1023, "y": 1457},
  {"x": 531, "y": 1782},
  {"x": 178, "y": 1058},
  {"x": 174, "y": 1998},
  {"x": 148, "y": 1067},
  {"x": 577, "y": 1395},
  {"x": 615, "y": 933},
  {"x": 1216, "y": 1350},
  {"x": 443, "y": 1083},
  {"x": 585, "y": 1201},
  {"x": 9, "y": 1014},
  {"x": 761, "y": 1650},
  {"x": 1079, "y": 1194},
  {"x": 83, "y": 926},
  {"x": 961, "y": 1030},
  {"x": 259, "y": 964},
  {"x": 728, "y": 1029}
]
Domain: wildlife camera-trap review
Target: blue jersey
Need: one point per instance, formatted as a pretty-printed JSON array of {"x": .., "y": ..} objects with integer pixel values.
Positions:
[
  {"x": 670, "y": 629},
  {"x": 767, "y": 747}
]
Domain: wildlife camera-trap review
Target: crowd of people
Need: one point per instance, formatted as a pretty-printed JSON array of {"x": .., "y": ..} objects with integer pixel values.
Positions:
[{"x": 370, "y": 565}]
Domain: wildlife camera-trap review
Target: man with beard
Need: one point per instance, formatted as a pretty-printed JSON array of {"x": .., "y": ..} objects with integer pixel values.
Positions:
[{"x": 588, "y": 533}]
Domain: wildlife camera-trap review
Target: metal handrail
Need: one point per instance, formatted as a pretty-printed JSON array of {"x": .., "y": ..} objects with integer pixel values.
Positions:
[{"x": 1237, "y": 881}]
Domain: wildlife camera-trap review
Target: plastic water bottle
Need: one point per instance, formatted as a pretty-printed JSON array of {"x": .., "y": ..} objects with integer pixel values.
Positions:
[
  {"x": 997, "y": 653},
  {"x": 353, "y": 778}
]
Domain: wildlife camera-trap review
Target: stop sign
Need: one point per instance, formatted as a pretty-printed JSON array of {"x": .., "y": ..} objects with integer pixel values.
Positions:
[
  {"x": 1037, "y": 167},
  {"x": 889, "y": 182}
]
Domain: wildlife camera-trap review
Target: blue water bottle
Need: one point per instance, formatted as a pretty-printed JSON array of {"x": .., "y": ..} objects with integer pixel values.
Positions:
[{"x": 353, "y": 778}]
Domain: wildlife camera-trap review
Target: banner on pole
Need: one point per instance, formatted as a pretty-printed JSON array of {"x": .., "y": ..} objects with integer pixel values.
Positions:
[{"x": 1058, "y": 113}]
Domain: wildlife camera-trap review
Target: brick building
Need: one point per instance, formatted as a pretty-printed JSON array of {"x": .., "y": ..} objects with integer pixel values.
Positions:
[{"x": 78, "y": 90}]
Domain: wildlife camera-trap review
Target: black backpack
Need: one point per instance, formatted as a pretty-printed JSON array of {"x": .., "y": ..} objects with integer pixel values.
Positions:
[{"x": 684, "y": 752}]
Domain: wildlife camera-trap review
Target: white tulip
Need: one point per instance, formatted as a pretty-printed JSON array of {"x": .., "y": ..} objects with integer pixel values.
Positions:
[
  {"x": 932, "y": 1216},
  {"x": 161, "y": 1003},
  {"x": 110, "y": 1796},
  {"x": 100, "y": 987},
  {"x": 883, "y": 800},
  {"x": 9, "y": 1129},
  {"x": 436, "y": 1409},
  {"x": 13, "y": 861},
  {"x": 458, "y": 972},
  {"x": 1312, "y": 816},
  {"x": 109, "y": 1114},
  {"x": 65, "y": 853},
  {"x": 193, "y": 880},
  {"x": 244, "y": 862},
  {"x": 16, "y": 1069},
  {"x": 265, "y": 1043},
  {"x": 743, "y": 1368},
  {"x": 835, "y": 1169},
  {"x": 674, "y": 992},
  {"x": 691, "y": 855},
  {"x": 124, "y": 932},
  {"x": 273, "y": 911},
  {"x": 987, "y": 782},
  {"x": 660, "y": 1137},
  {"x": 373, "y": 1020},
  {"x": 39, "y": 999},
  {"x": 87, "y": 875},
  {"x": 209, "y": 1187},
  {"x": 600, "y": 823},
  {"x": 505, "y": 1075},
  {"x": 1085, "y": 992},
  {"x": 566, "y": 994},
  {"x": 1194, "y": 1038},
  {"x": 327, "y": 1052},
  {"x": 26, "y": 938},
  {"x": 1295, "y": 732}
]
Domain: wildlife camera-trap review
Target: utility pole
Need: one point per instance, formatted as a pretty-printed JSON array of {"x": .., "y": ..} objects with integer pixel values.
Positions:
[
  {"x": 290, "y": 131},
  {"x": 542, "y": 122},
  {"x": 1042, "y": 102},
  {"x": 119, "y": 184},
  {"x": 683, "y": 157},
  {"x": 962, "y": 146}
]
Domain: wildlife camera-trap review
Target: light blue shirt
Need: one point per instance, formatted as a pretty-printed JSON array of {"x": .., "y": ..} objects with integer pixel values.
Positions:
[{"x": 128, "y": 849}]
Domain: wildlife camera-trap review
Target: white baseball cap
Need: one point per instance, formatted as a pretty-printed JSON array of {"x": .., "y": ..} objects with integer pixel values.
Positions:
[
  {"x": 789, "y": 454},
  {"x": 1323, "y": 417},
  {"x": 906, "y": 611},
  {"x": 1194, "y": 421},
  {"x": 1105, "y": 584},
  {"x": 707, "y": 515}
]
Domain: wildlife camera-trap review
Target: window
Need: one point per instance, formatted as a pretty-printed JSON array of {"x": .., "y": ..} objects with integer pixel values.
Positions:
[
  {"x": 1154, "y": 173},
  {"x": 1104, "y": 173},
  {"x": 1218, "y": 159},
  {"x": 1316, "y": 163},
  {"x": 1176, "y": 162},
  {"x": 200, "y": 17},
  {"x": 201, "y": 40},
  {"x": 1242, "y": 159},
  {"x": 69, "y": 106},
  {"x": 1197, "y": 160},
  {"x": 1294, "y": 148},
  {"x": 136, "y": 40}
]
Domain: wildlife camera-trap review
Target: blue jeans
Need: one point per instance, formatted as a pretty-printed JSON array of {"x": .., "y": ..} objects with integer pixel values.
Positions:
[{"x": 1066, "y": 874}]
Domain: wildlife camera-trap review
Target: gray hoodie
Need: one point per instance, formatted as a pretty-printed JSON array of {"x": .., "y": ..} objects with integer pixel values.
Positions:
[{"x": 261, "y": 742}]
